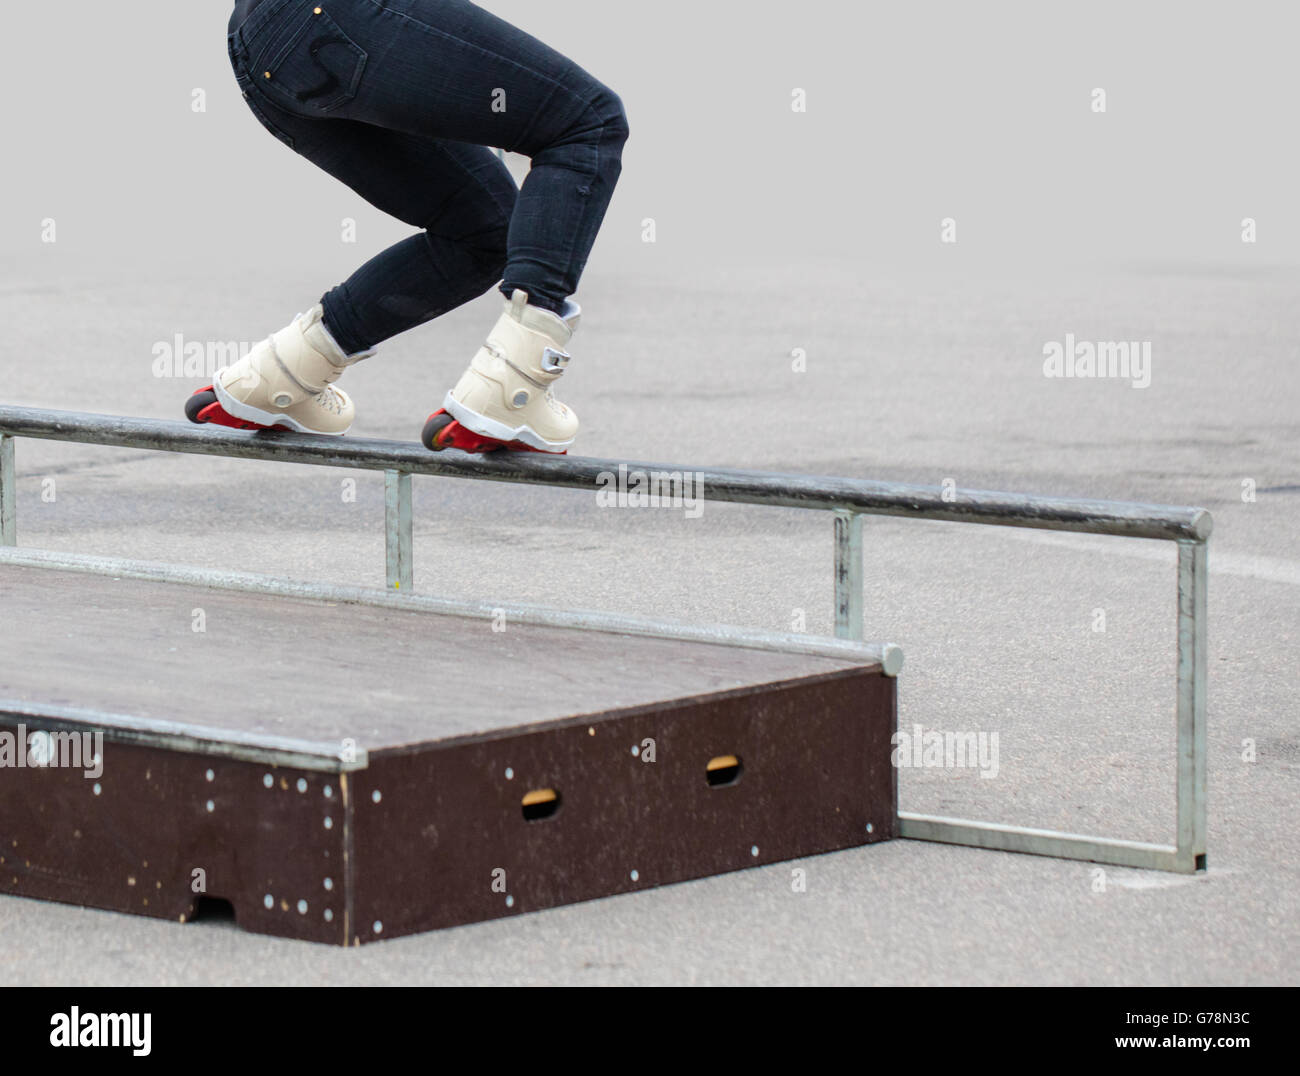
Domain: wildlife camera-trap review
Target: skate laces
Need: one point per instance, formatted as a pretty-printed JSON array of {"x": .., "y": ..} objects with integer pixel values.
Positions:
[{"x": 330, "y": 400}]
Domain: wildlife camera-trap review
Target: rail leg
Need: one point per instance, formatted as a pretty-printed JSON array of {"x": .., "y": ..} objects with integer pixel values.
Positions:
[
  {"x": 1193, "y": 568},
  {"x": 397, "y": 529},
  {"x": 8, "y": 516},
  {"x": 848, "y": 575}
]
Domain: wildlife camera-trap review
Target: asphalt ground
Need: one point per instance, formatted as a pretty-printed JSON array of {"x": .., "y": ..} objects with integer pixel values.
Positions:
[{"x": 911, "y": 376}]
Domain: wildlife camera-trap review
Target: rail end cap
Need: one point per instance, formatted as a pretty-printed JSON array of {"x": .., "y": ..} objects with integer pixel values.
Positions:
[
  {"x": 891, "y": 659},
  {"x": 1202, "y": 524}
]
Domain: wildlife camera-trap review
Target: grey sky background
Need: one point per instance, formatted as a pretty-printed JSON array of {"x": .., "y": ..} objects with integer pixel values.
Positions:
[{"x": 916, "y": 111}]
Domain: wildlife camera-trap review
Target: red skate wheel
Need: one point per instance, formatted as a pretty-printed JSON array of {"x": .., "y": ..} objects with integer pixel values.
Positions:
[
  {"x": 198, "y": 403},
  {"x": 442, "y": 431},
  {"x": 203, "y": 408},
  {"x": 433, "y": 435}
]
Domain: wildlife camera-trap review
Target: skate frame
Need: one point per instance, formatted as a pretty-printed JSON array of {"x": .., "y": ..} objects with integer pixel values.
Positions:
[{"x": 847, "y": 499}]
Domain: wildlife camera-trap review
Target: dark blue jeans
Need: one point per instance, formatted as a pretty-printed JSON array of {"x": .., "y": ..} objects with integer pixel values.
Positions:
[{"x": 400, "y": 99}]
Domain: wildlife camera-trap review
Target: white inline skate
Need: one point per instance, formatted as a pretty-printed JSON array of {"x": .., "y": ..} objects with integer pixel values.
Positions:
[
  {"x": 286, "y": 381},
  {"x": 504, "y": 399}
]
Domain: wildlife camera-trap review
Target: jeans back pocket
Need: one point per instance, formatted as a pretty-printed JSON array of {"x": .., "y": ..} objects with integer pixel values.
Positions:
[{"x": 309, "y": 63}]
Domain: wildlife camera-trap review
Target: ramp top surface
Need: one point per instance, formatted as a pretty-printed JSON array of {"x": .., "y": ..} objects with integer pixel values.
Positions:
[{"x": 318, "y": 672}]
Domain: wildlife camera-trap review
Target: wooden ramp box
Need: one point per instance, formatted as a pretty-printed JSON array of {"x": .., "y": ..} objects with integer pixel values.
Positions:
[{"x": 346, "y": 773}]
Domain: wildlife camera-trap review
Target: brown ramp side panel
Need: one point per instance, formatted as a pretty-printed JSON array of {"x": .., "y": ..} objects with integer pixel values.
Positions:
[
  {"x": 133, "y": 840},
  {"x": 457, "y": 723},
  {"x": 441, "y": 839},
  {"x": 434, "y": 834}
]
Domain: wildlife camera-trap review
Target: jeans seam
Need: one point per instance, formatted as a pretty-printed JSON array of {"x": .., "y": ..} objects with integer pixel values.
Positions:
[{"x": 572, "y": 244}]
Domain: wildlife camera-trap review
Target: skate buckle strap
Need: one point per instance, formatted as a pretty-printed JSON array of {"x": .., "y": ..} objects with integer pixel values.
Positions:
[
  {"x": 555, "y": 362},
  {"x": 499, "y": 352}
]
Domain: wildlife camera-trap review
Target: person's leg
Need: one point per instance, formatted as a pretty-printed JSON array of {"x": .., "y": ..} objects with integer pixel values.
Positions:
[
  {"x": 448, "y": 70},
  {"x": 485, "y": 83},
  {"x": 461, "y": 195}
]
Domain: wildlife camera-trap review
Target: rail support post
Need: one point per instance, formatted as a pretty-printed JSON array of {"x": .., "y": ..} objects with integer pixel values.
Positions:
[
  {"x": 397, "y": 530},
  {"x": 8, "y": 517},
  {"x": 848, "y": 575},
  {"x": 1193, "y": 569}
]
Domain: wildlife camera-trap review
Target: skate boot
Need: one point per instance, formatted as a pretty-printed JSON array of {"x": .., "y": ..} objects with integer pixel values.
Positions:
[
  {"x": 286, "y": 381},
  {"x": 504, "y": 399}
]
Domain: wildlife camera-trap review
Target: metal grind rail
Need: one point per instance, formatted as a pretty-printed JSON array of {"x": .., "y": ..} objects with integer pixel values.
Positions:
[{"x": 848, "y": 500}]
